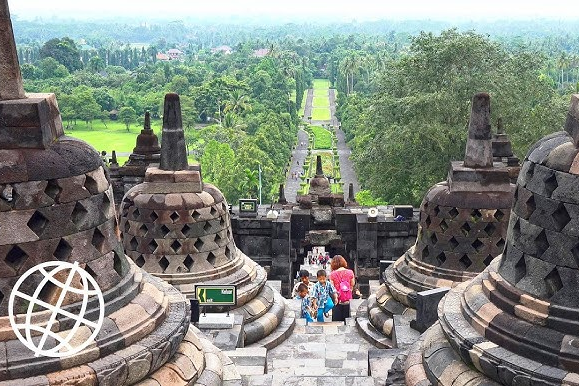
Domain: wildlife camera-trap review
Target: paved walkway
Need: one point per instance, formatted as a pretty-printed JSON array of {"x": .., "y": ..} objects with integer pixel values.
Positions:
[
  {"x": 346, "y": 167},
  {"x": 299, "y": 155},
  {"x": 308, "y": 104}
]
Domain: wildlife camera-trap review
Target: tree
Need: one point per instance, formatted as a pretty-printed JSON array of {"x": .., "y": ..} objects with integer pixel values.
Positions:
[
  {"x": 218, "y": 161},
  {"x": 416, "y": 119},
  {"x": 96, "y": 64},
  {"x": 127, "y": 115},
  {"x": 50, "y": 68},
  {"x": 64, "y": 51}
]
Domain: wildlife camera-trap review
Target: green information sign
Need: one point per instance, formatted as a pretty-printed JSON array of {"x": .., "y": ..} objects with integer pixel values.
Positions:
[{"x": 216, "y": 295}]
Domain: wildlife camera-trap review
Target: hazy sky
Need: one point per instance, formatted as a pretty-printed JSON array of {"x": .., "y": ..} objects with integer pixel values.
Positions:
[{"x": 339, "y": 9}]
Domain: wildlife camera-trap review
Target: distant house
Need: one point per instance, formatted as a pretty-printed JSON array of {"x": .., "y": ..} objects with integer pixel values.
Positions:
[
  {"x": 163, "y": 57},
  {"x": 175, "y": 54},
  {"x": 225, "y": 50},
  {"x": 260, "y": 53}
]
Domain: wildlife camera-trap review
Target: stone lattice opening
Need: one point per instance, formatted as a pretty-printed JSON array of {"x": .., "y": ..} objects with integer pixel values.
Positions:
[
  {"x": 37, "y": 223},
  {"x": 443, "y": 226},
  {"x": 453, "y": 212},
  {"x": 488, "y": 260},
  {"x": 15, "y": 257},
  {"x": 465, "y": 229},
  {"x": 196, "y": 215},
  {"x": 425, "y": 252},
  {"x": 78, "y": 214},
  {"x": 142, "y": 230},
  {"x": 436, "y": 210},
  {"x": 207, "y": 226},
  {"x": 188, "y": 263},
  {"x": 465, "y": 261},
  {"x": 198, "y": 244},
  {"x": 136, "y": 214},
  {"x": 153, "y": 216},
  {"x": 561, "y": 217},
  {"x": 553, "y": 282},
  {"x": 165, "y": 230},
  {"x": 134, "y": 243},
  {"x": 98, "y": 240},
  {"x": 499, "y": 215},
  {"x": 575, "y": 252},
  {"x": 52, "y": 189},
  {"x": 500, "y": 244},
  {"x": 530, "y": 205},
  {"x": 427, "y": 221},
  {"x": 213, "y": 211},
  {"x": 453, "y": 243},
  {"x": 477, "y": 245},
  {"x": 211, "y": 258},
  {"x": 520, "y": 269},
  {"x": 176, "y": 246},
  {"x": 63, "y": 250},
  {"x": 185, "y": 230},
  {"x": 476, "y": 215},
  {"x": 541, "y": 243},
  {"x": 551, "y": 184},
  {"x": 441, "y": 258},
  {"x": 433, "y": 238},
  {"x": 490, "y": 229},
  {"x": 91, "y": 185},
  {"x": 152, "y": 246},
  {"x": 164, "y": 263},
  {"x": 140, "y": 261},
  {"x": 118, "y": 263},
  {"x": 174, "y": 216}
]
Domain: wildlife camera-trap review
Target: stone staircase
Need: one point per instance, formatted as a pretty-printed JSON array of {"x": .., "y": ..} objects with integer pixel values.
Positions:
[{"x": 330, "y": 353}]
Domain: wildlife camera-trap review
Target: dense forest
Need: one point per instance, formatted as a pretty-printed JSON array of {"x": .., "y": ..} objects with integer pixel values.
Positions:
[{"x": 404, "y": 88}]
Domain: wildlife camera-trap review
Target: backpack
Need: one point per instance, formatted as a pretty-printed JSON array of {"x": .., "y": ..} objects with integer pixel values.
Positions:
[{"x": 344, "y": 290}]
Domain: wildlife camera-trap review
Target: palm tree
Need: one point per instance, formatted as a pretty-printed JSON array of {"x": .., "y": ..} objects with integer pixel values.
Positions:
[
  {"x": 238, "y": 103},
  {"x": 251, "y": 182}
]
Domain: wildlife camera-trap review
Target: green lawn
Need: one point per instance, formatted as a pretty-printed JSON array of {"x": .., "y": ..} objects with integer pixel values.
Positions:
[
  {"x": 112, "y": 137},
  {"x": 321, "y": 101},
  {"x": 323, "y": 138},
  {"x": 321, "y": 114},
  {"x": 321, "y": 84}
]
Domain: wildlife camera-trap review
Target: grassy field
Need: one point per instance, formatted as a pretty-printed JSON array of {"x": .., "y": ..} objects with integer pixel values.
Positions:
[
  {"x": 321, "y": 114},
  {"x": 112, "y": 137},
  {"x": 323, "y": 138},
  {"x": 321, "y": 101},
  {"x": 321, "y": 84}
]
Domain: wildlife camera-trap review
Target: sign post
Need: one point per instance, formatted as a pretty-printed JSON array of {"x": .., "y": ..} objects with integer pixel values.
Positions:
[{"x": 209, "y": 295}]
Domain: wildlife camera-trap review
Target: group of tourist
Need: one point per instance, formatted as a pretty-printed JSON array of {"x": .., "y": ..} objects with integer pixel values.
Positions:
[{"x": 327, "y": 294}]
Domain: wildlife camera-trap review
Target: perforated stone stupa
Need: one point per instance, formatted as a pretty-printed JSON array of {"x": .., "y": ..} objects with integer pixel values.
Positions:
[
  {"x": 177, "y": 227},
  {"x": 56, "y": 204},
  {"x": 516, "y": 322},
  {"x": 503, "y": 152},
  {"x": 146, "y": 152},
  {"x": 463, "y": 223}
]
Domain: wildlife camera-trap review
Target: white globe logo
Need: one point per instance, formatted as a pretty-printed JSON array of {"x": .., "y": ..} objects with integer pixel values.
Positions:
[{"x": 63, "y": 346}]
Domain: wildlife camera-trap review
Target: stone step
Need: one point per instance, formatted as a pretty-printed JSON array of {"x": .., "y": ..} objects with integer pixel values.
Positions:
[
  {"x": 326, "y": 381},
  {"x": 267, "y": 323},
  {"x": 257, "y": 380},
  {"x": 380, "y": 362},
  {"x": 326, "y": 324},
  {"x": 249, "y": 360},
  {"x": 219, "y": 369},
  {"x": 280, "y": 334},
  {"x": 369, "y": 332},
  {"x": 374, "y": 285},
  {"x": 403, "y": 334}
]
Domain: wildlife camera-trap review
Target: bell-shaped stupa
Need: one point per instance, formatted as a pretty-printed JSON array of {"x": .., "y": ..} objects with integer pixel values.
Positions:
[
  {"x": 177, "y": 227},
  {"x": 463, "y": 223},
  {"x": 516, "y": 322},
  {"x": 57, "y": 207}
]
